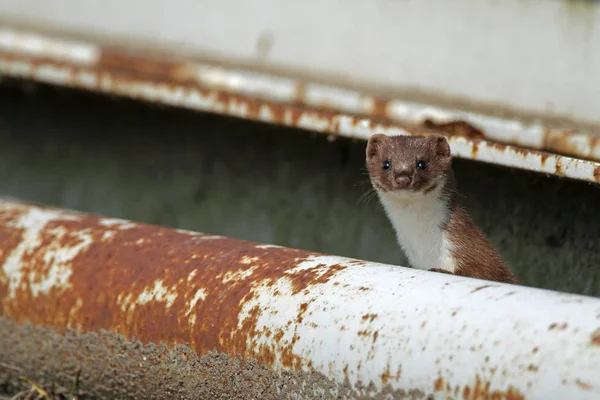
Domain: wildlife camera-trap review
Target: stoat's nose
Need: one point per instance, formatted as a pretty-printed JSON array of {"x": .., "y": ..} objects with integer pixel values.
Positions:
[{"x": 403, "y": 181}]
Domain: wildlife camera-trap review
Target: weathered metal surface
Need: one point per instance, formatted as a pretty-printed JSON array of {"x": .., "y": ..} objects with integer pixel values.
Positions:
[
  {"x": 549, "y": 68},
  {"x": 291, "y": 102},
  {"x": 377, "y": 328}
]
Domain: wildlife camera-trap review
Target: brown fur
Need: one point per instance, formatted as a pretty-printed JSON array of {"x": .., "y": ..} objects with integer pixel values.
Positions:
[
  {"x": 474, "y": 255},
  {"x": 473, "y": 252}
]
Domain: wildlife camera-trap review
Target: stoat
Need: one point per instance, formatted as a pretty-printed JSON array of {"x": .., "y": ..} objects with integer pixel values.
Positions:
[{"x": 414, "y": 181}]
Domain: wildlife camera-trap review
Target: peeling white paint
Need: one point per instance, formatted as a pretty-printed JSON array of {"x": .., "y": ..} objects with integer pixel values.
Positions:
[
  {"x": 192, "y": 275},
  {"x": 73, "y": 312},
  {"x": 199, "y": 296},
  {"x": 33, "y": 221},
  {"x": 248, "y": 260},
  {"x": 268, "y": 246},
  {"x": 59, "y": 259},
  {"x": 332, "y": 97},
  {"x": 238, "y": 275},
  {"x": 190, "y": 233},
  {"x": 116, "y": 223},
  {"x": 203, "y": 237},
  {"x": 159, "y": 293},
  {"x": 125, "y": 301},
  {"x": 108, "y": 235},
  {"x": 255, "y": 84},
  {"x": 43, "y": 46}
]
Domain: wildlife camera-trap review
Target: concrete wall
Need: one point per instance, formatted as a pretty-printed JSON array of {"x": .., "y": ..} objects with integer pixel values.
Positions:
[
  {"x": 532, "y": 55},
  {"x": 260, "y": 182}
]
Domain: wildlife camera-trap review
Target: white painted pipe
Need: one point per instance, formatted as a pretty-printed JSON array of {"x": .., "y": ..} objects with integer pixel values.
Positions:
[{"x": 379, "y": 329}]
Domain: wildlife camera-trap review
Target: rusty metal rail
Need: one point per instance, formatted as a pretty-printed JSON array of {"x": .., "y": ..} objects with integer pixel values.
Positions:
[
  {"x": 292, "y": 102},
  {"x": 343, "y": 327}
]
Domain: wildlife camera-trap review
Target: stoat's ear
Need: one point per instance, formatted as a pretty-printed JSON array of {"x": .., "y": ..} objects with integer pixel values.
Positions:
[
  {"x": 442, "y": 153},
  {"x": 374, "y": 144},
  {"x": 442, "y": 147}
]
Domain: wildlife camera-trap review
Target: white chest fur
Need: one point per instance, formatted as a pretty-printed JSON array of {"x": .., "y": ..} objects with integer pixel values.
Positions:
[{"x": 418, "y": 224}]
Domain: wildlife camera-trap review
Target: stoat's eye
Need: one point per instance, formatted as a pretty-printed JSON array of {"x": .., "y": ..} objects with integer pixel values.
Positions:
[
  {"x": 421, "y": 165},
  {"x": 387, "y": 164}
]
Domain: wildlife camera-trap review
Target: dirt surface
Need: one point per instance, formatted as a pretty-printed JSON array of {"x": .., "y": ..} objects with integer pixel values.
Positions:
[{"x": 107, "y": 366}]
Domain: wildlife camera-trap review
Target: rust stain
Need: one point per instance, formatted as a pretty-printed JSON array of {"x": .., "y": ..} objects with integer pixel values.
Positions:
[
  {"x": 481, "y": 390},
  {"x": 455, "y": 128},
  {"x": 438, "y": 385},
  {"x": 312, "y": 276},
  {"x": 385, "y": 377},
  {"x": 583, "y": 385},
  {"x": 559, "y": 168},
  {"x": 571, "y": 143},
  {"x": 595, "y": 338},
  {"x": 113, "y": 273},
  {"x": 369, "y": 317},
  {"x": 481, "y": 288},
  {"x": 521, "y": 152},
  {"x": 532, "y": 368},
  {"x": 558, "y": 326},
  {"x": 152, "y": 65},
  {"x": 301, "y": 312},
  {"x": 597, "y": 174},
  {"x": 300, "y": 93},
  {"x": 466, "y": 393},
  {"x": 379, "y": 107},
  {"x": 475, "y": 149},
  {"x": 279, "y": 335},
  {"x": 375, "y": 336}
]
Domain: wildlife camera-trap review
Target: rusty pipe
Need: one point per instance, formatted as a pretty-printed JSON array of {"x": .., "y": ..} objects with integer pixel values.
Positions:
[{"x": 365, "y": 328}]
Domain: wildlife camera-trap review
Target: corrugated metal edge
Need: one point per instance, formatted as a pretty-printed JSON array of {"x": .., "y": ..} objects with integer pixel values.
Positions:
[{"x": 290, "y": 102}]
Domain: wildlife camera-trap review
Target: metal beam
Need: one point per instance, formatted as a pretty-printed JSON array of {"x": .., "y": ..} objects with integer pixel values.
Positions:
[
  {"x": 291, "y": 102},
  {"x": 474, "y": 52},
  {"x": 358, "y": 328}
]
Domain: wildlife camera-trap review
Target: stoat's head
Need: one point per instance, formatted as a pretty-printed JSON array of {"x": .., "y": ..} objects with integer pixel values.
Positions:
[{"x": 408, "y": 166}]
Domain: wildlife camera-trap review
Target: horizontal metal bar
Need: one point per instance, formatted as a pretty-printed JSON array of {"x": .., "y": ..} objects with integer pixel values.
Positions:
[
  {"x": 275, "y": 100},
  {"x": 559, "y": 82},
  {"x": 369, "y": 328},
  {"x": 533, "y": 135}
]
